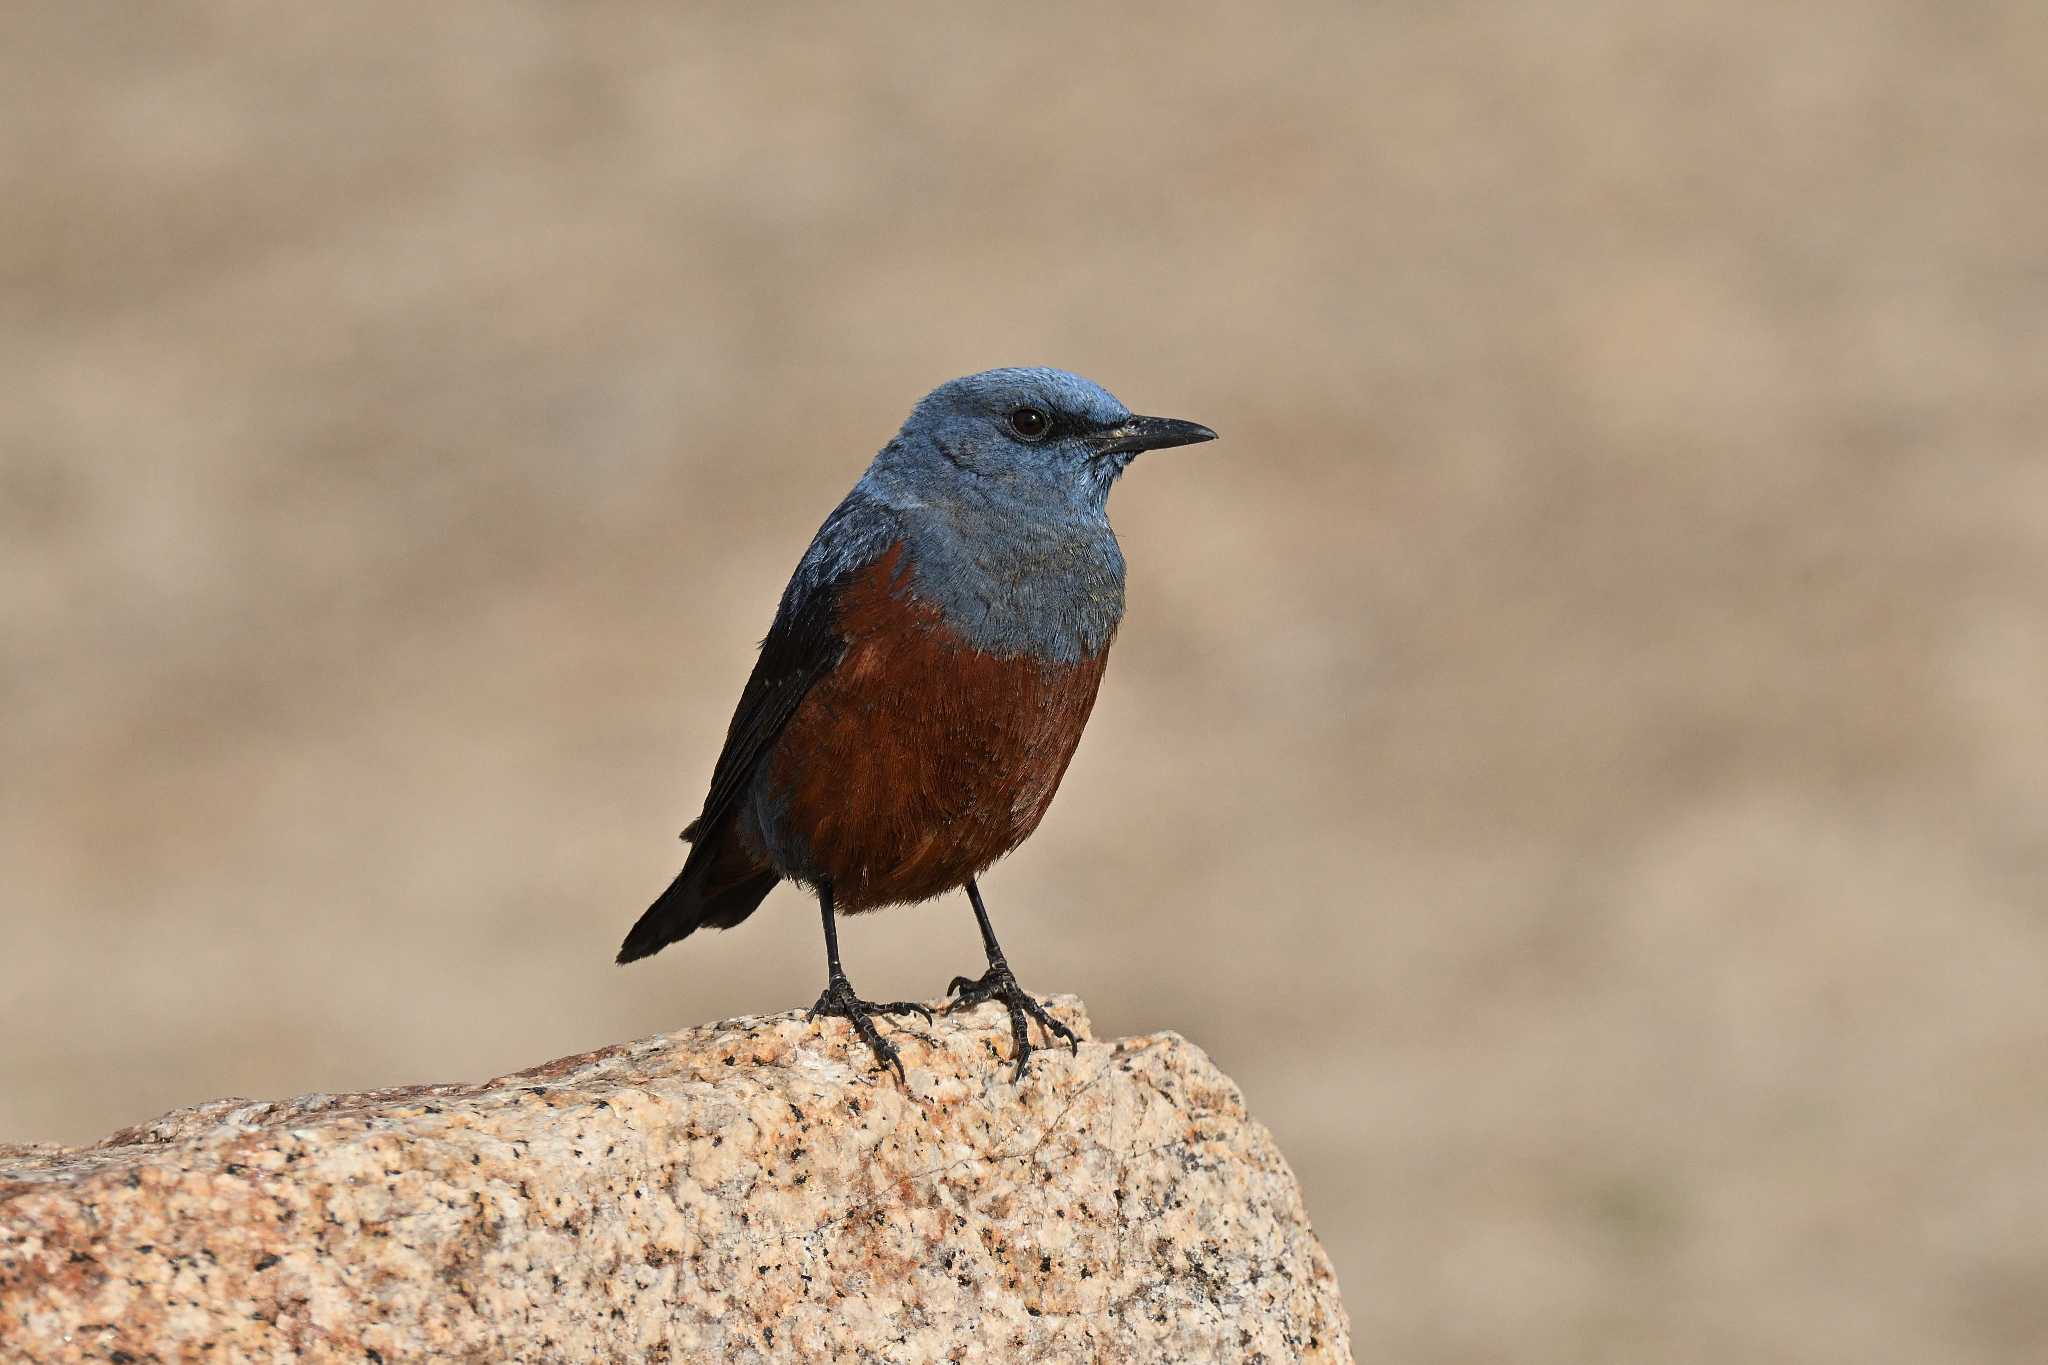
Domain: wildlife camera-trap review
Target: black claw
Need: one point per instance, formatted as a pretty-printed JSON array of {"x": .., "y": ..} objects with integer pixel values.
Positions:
[
  {"x": 838, "y": 1000},
  {"x": 997, "y": 983}
]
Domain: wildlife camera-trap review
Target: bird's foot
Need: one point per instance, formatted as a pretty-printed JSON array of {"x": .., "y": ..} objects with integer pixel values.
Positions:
[
  {"x": 838, "y": 999},
  {"x": 997, "y": 983}
]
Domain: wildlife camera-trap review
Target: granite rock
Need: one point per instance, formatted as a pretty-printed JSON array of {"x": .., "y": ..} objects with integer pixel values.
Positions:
[{"x": 749, "y": 1190}]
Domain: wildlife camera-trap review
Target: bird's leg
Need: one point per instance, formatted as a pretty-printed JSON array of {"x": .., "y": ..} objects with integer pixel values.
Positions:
[
  {"x": 999, "y": 983},
  {"x": 838, "y": 997}
]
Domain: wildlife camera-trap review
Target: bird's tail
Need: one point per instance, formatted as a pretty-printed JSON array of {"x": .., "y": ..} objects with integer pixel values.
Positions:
[{"x": 719, "y": 886}]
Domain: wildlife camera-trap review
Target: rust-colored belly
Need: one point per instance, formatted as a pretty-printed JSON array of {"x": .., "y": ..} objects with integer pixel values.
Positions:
[{"x": 919, "y": 760}]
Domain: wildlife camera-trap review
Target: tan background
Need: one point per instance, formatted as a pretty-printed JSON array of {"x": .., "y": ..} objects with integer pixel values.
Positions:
[{"x": 1578, "y": 752}]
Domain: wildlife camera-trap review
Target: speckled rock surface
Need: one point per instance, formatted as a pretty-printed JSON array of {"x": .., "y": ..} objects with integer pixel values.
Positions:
[{"x": 744, "y": 1191}]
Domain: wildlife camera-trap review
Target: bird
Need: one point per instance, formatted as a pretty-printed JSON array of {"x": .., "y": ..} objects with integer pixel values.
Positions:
[{"x": 925, "y": 681}]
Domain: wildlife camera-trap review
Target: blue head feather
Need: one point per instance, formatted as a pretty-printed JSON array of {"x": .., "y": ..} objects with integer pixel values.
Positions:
[
  {"x": 998, "y": 488},
  {"x": 970, "y": 422}
]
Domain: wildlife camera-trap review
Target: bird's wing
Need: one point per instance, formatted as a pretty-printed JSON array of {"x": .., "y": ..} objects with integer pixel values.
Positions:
[{"x": 802, "y": 646}]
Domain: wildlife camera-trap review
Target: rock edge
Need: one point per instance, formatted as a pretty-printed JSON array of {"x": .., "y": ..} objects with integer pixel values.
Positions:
[{"x": 747, "y": 1190}]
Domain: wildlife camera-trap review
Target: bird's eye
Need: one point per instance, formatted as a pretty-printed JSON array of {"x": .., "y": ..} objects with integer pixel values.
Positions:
[{"x": 1030, "y": 423}]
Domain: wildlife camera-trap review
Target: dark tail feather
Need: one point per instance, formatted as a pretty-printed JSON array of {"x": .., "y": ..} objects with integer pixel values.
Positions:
[{"x": 717, "y": 888}]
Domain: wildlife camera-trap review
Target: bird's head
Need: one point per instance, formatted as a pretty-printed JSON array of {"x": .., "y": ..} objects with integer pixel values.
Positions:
[{"x": 1034, "y": 434}]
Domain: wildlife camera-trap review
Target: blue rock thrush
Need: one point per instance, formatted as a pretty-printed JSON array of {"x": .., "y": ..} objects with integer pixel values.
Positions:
[{"x": 929, "y": 672}]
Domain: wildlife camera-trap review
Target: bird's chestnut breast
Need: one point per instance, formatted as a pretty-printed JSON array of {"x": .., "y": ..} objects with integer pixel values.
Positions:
[{"x": 919, "y": 759}]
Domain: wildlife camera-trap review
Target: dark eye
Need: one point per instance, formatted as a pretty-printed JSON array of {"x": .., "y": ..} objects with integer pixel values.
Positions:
[{"x": 1030, "y": 423}]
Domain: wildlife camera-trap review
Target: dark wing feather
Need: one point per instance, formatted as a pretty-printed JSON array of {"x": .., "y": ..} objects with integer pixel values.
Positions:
[
  {"x": 802, "y": 646},
  {"x": 721, "y": 883}
]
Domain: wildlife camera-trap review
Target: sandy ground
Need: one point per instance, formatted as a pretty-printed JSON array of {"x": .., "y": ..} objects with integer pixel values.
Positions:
[{"x": 1578, "y": 752}]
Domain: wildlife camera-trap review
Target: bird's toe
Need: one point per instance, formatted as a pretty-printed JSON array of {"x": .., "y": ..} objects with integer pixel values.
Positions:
[
  {"x": 839, "y": 1001},
  {"x": 1000, "y": 985}
]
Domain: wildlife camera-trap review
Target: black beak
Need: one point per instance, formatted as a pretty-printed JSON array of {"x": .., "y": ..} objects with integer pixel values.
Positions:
[{"x": 1152, "y": 433}]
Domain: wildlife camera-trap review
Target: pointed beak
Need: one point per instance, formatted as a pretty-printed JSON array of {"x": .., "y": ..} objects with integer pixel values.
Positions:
[{"x": 1152, "y": 433}]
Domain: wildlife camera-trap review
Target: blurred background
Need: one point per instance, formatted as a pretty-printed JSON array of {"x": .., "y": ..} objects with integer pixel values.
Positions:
[{"x": 1578, "y": 750}]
